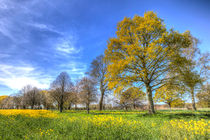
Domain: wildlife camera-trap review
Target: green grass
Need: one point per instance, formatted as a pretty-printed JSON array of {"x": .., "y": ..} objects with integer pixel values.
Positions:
[{"x": 79, "y": 125}]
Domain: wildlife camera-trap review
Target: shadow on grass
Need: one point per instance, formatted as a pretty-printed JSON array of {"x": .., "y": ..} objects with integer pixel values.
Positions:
[
  {"x": 105, "y": 113},
  {"x": 175, "y": 115}
]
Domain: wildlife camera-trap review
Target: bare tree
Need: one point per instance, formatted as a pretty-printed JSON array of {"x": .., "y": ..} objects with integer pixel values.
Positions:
[
  {"x": 98, "y": 69},
  {"x": 73, "y": 98},
  {"x": 31, "y": 96},
  {"x": 24, "y": 92},
  {"x": 61, "y": 88},
  {"x": 46, "y": 99},
  {"x": 17, "y": 100},
  {"x": 8, "y": 103},
  {"x": 87, "y": 92}
]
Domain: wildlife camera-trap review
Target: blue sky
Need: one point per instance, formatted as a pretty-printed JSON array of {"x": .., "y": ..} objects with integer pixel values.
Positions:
[{"x": 41, "y": 38}]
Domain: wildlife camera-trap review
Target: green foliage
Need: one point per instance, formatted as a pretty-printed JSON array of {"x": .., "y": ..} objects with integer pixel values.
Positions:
[
  {"x": 204, "y": 96},
  {"x": 195, "y": 71}
]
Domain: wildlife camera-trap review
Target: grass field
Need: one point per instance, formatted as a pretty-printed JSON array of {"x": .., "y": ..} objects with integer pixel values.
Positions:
[{"x": 43, "y": 124}]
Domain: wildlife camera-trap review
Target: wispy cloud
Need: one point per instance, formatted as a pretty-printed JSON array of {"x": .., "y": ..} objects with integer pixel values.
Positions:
[
  {"x": 44, "y": 27},
  {"x": 33, "y": 48},
  {"x": 5, "y": 26},
  {"x": 75, "y": 69},
  {"x": 66, "y": 46},
  {"x": 2, "y": 55},
  {"x": 15, "y": 77},
  {"x": 13, "y": 14}
]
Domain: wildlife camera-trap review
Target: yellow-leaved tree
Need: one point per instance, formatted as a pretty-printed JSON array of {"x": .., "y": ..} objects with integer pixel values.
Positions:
[
  {"x": 131, "y": 97},
  {"x": 142, "y": 53},
  {"x": 2, "y": 99},
  {"x": 170, "y": 94}
]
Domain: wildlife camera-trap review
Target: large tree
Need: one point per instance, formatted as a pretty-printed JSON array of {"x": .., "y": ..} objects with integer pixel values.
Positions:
[
  {"x": 142, "y": 53},
  {"x": 61, "y": 89},
  {"x": 196, "y": 71},
  {"x": 98, "y": 69}
]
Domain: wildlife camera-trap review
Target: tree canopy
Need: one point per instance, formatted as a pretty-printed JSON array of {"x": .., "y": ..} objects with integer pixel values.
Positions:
[{"x": 142, "y": 53}]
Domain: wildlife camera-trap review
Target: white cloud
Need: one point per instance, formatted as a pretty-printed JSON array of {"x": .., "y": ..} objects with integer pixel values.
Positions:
[
  {"x": 19, "y": 82},
  {"x": 46, "y": 27},
  {"x": 67, "y": 46},
  {"x": 19, "y": 22},
  {"x": 39, "y": 25},
  {"x": 13, "y": 17},
  {"x": 5, "y": 26},
  {"x": 15, "y": 77}
]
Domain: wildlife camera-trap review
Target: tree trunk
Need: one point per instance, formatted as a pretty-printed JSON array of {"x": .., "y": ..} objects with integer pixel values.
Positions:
[
  {"x": 101, "y": 100},
  {"x": 88, "y": 108},
  {"x": 150, "y": 100},
  {"x": 69, "y": 108},
  {"x": 61, "y": 107},
  {"x": 126, "y": 108},
  {"x": 193, "y": 99},
  {"x": 134, "y": 105},
  {"x": 169, "y": 104},
  {"x": 32, "y": 106},
  {"x": 61, "y": 104}
]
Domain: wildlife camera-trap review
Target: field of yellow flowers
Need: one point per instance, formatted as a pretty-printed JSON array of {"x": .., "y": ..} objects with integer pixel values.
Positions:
[{"x": 45, "y": 124}]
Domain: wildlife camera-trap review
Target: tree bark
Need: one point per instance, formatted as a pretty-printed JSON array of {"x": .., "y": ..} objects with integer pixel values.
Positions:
[
  {"x": 69, "y": 108},
  {"x": 134, "y": 106},
  {"x": 169, "y": 104},
  {"x": 193, "y": 99},
  {"x": 61, "y": 104},
  {"x": 88, "y": 108},
  {"x": 61, "y": 107},
  {"x": 101, "y": 100},
  {"x": 32, "y": 106},
  {"x": 126, "y": 108},
  {"x": 150, "y": 100}
]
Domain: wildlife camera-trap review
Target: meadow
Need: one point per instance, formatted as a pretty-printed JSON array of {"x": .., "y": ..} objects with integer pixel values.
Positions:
[{"x": 72, "y": 124}]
